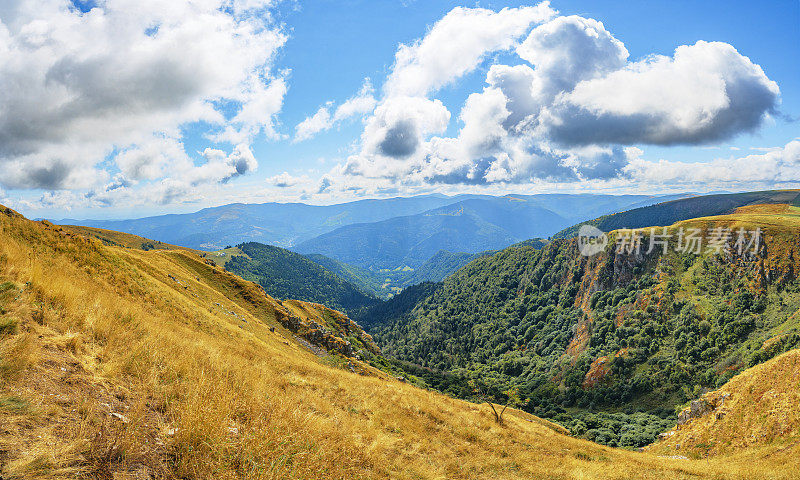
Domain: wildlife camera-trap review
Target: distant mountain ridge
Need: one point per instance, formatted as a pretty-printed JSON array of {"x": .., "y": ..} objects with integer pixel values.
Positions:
[
  {"x": 281, "y": 224},
  {"x": 408, "y": 241},
  {"x": 289, "y": 224},
  {"x": 471, "y": 225}
]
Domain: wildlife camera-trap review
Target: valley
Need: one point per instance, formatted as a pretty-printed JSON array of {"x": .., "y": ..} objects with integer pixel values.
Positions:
[{"x": 584, "y": 351}]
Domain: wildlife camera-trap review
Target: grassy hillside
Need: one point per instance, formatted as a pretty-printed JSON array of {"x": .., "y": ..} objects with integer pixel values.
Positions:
[
  {"x": 614, "y": 332},
  {"x": 119, "y": 239},
  {"x": 285, "y": 274},
  {"x": 123, "y": 363},
  {"x": 670, "y": 212},
  {"x": 755, "y": 408}
]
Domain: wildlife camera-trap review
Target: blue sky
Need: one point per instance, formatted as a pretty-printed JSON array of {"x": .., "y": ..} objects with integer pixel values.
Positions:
[
  {"x": 192, "y": 150},
  {"x": 329, "y": 56}
]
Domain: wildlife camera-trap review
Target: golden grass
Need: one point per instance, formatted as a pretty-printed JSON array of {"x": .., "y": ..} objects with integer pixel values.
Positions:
[
  {"x": 760, "y": 410},
  {"x": 199, "y": 393},
  {"x": 110, "y": 237},
  {"x": 773, "y": 217}
]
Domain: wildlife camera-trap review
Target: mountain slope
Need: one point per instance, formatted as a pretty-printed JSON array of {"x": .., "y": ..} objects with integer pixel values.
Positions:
[
  {"x": 580, "y": 206},
  {"x": 755, "y": 408},
  {"x": 365, "y": 280},
  {"x": 439, "y": 267},
  {"x": 123, "y": 363},
  {"x": 613, "y": 331},
  {"x": 408, "y": 241},
  {"x": 667, "y": 213},
  {"x": 285, "y": 274},
  {"x": 385, "y": 283}
]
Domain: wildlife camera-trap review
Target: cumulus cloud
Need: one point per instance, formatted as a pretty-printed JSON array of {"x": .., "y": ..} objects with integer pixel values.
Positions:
[
  {"x": 324, "y": 184},
  {"x": 705, "y": 92},
  {"x": 568, "y": 50},
  {"x": 575, "y": 109},
  {"x": 395, "y": 134},
  {"x": 149, "y": 160},
  {"x": 221, "y": 167},
  {"x": 456, "y": 44},
  {"x": 80, "y": 86},
  {"x": 286, "y": 180},
  {"x": 358, "y": 105}
]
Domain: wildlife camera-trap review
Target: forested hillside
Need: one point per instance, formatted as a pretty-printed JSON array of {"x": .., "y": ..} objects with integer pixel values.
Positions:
[
  {"x": 373, "y": 283},
  {"x": 384, "y": 283},
  {"x": 621, "y": 331},
  {"x": 285, "y": 274},
  {"x": 439, "y": 267}
]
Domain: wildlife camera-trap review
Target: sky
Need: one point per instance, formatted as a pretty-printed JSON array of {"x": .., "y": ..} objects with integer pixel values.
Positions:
[{"x": 127, "y": 108}]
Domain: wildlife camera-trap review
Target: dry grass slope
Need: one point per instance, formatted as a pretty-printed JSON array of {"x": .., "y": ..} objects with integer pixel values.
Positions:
[
  {"x": 757, "y": 409},
  {"x": 120, "y": 239},
  {"x": 123, "y": 363}
]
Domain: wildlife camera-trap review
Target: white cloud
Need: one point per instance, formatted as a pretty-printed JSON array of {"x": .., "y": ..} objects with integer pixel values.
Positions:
[
  {"x": 400, "y": 124},
  {"x": 776, "y": 166},
  {"x": 286, "y": 180},
  {"x": 314, "y": 124},
  {"x": 362, "y": 103},
  {"x": 395, "y": 136},
  {"x": 575, "y": 112},
  {"x": 79, "y": 86},
  {"x": 221, "y": 167},
  {"x": 705, "y": 92},
  {"x": 358, "y": 105},
  {"x": 149, "y": 160},
  {"x": 456, "y": 44},
  {"x": 568, "y": 50}
]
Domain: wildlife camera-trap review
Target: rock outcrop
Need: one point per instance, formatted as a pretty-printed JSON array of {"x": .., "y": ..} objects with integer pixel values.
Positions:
[{"x": 702, "y": 407}]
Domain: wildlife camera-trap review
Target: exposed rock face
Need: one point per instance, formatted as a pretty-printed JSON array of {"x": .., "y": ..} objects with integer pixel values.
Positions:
[
  {"x": 331, "y": 335},
  {"x": 702, "y": 407}
]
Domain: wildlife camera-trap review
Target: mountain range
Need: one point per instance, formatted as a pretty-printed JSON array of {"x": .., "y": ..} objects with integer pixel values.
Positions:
[
  {"x": 281, "y": 224},
  {"x": 379, "y": 234}
]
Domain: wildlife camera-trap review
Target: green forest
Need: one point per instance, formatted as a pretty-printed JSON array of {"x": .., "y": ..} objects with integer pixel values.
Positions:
[{"x": 284, "y": 274}]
